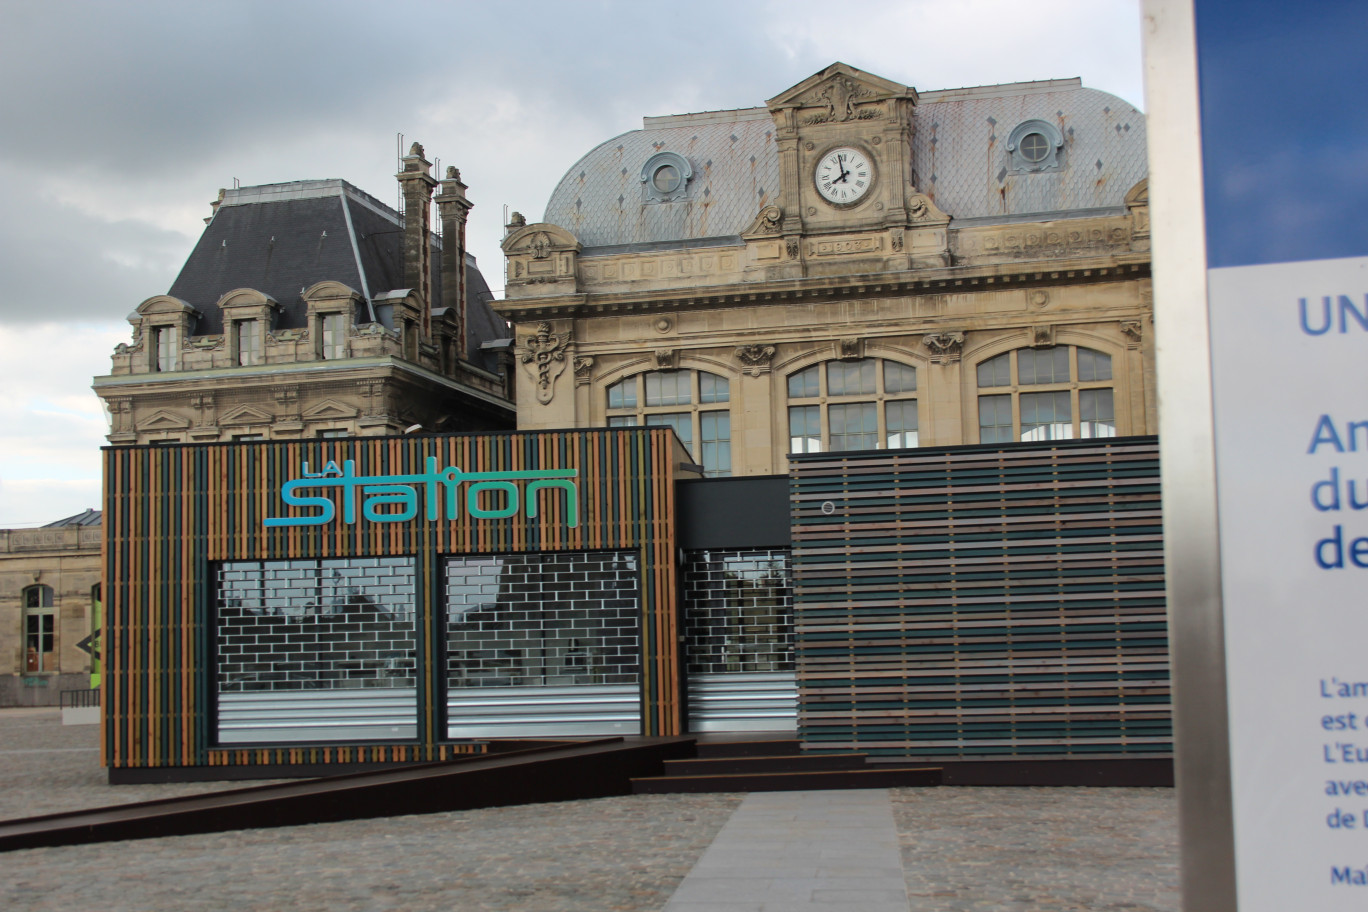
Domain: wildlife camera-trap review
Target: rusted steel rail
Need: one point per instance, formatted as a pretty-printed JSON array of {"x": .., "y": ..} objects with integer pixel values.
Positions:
[{"x": 562, "y": 772}]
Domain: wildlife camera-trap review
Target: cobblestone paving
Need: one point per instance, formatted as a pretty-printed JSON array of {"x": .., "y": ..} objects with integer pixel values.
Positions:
[
  {"x": 1035, "y": 849},
  {"x": 579, "y": 856},
  {"x": 963, "y": 850},
  {"x": 48, "y": 767}
]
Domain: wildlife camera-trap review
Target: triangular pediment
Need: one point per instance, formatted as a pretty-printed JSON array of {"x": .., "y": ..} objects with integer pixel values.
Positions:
[
  {"x": 331, "y": 408},
  {"x": 162, "y": 420},
  {"x": 837, "y": 84},
  {"x": 246, "y": 414}
]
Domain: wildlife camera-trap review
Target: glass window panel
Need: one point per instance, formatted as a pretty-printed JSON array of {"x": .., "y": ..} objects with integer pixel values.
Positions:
[
  {"x": 669, "y": 387},
  {"x": 712, "y": 388},
  {"x": 850, "y": 378},
  {"x": 166, "y": 348},
  {"x": 623, "y": 394},
  {"x": 334, "y": 336},
  {"x": 996, "y": 371},
  {"x": 853, "y": 426},
  {"x": 805, "y": 429},
  {"x": 1093, "y": 365},
  {"x": 995, "y": 419},
  {"x": 900, "y": 420},
  {"x": 714, "y": 431},
  {"x": 622, "y": 421},
  {"x": 249, "y": 342},
  {"x": 804, "y": 384},
  {"x": 1043, "y": 365},
  {"x": 899, "y": 378},
  {"x": 1046, "y": 416},
  {"x": 682, "y": 422},
  {"x": 1095, "y": 411}
]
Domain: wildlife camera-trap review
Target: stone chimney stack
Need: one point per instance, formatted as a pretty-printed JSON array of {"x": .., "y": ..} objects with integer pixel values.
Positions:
[
  {"x": 417, "y": 182},
  {"x": 452, "y": 208},
  {"x": 214, "y": 206}
]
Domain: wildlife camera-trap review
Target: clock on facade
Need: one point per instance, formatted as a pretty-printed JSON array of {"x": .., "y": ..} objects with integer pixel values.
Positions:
[{"x": 844, "y": 175}]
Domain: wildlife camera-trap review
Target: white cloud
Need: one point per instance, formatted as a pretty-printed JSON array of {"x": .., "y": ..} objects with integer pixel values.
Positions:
[
  {"x": 123, "y": 120},
  {"x": 51, "y": 425}
]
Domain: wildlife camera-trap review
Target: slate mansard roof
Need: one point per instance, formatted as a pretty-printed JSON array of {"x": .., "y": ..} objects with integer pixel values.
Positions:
[
  {"x": 959, "y": 156},
  {"x": 280, "y": 239}
]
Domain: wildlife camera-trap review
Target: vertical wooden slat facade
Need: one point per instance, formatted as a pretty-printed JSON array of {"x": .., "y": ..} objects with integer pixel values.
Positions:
[
  {"x": 982, "y": 602},
  {"x": 174, "y": 511}
]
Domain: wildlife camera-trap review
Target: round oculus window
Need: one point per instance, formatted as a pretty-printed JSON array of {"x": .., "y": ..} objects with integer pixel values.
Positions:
[
  {"x": 1034, "y": 147},
  {"x": 666, "y": 179}
]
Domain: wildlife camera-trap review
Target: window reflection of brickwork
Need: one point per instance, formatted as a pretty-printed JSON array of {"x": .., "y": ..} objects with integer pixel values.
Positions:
[
  {"x": 738, "y": 614},
  {"x": 543, "y": 619},
  {"x": 316, "y": 625}
]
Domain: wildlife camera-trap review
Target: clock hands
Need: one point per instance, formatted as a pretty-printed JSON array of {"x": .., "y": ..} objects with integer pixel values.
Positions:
[{"x": 845, "y": 175}]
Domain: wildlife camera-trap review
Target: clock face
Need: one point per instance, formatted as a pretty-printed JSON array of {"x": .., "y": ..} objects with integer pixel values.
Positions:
[{"x": 844, "y": 176}]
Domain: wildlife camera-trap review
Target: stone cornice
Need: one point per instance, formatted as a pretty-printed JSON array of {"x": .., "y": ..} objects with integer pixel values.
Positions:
[{"x": 943, "y": 280}]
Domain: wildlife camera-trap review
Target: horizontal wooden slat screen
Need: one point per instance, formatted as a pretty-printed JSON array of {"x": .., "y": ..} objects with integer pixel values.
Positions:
[{"x": 983, "y": 601}]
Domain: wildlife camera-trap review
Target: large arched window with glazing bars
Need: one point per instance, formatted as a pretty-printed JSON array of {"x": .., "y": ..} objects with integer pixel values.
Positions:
[
  {"x": 864, "y": 404},
  {"x": 696, "y": 403},
  {"x": 1038, "y": 394}
]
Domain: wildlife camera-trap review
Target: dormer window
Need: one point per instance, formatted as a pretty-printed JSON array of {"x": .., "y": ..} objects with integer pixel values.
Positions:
[
  {"x": 1036, "y": 145},
  {"x": 332, "y": 338},
  {"x": 164, "y": 346},
  {"x": 247, "y": 342},
  {"x": 665, "y": 177}
]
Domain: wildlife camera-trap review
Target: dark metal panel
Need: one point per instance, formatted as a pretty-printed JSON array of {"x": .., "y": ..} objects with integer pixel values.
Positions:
[{"x": 734, "y": 513}]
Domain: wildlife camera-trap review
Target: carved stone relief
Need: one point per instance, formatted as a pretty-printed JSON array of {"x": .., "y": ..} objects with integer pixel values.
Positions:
[
  {"x": 850, "y": 349},
  {"x": 766, "y": 224},
  {"x": 840, "y": 99},
  {"x": 1042, "y": 336},
  {"x": 944, "y": 346},
  {"x": 1134, "y": 331},
  {"x": 667, "y": 359},
  {"x": 584, "y": 370},
  {"x": 544, "y": 355},
  {"x": 755, "y": 359}
]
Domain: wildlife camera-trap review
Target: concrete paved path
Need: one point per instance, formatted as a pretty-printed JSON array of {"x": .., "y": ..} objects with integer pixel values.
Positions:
[{"x": 798, "y": 851}]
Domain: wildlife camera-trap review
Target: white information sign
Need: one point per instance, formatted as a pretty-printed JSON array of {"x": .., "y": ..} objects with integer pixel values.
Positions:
[{"x": 1290, "y": 376}]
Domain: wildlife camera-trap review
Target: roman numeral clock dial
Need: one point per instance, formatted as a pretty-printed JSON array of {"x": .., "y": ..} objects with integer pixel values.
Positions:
[{"x": 844, "y": 176}]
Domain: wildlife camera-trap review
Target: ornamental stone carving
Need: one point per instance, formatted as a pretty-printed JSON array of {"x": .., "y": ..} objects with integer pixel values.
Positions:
[
  {"x": 584, "y": 369},
  {"x": 1134, "y": 331},
  {"x": 850, "y": 349},
  {"x": 544, "y": 355},
  {"x": 766, "y": 224},
  {"x": 667, "y": 359},
  {"x": 755, "y": 359},
  {"x": 944, "y": 346},
  {"x": 1042, "y": 336}
]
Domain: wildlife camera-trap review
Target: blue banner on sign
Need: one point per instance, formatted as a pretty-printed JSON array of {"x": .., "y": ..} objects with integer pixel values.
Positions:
[{"x": 1284, "y": 129}]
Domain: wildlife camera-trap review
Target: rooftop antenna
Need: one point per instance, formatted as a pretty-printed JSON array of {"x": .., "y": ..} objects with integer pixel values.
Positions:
[
  {"x": 399, "y": 166},
  {"x": 236, "y": 184},
  {"x": 505, "y": 221}
]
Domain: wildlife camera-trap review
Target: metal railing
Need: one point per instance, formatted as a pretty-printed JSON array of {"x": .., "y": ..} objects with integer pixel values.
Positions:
[{"x": 80, "y": 699}]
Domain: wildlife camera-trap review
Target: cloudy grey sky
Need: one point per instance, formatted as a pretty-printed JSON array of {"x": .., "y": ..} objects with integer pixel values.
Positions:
[{"x": 120, "y": 121}]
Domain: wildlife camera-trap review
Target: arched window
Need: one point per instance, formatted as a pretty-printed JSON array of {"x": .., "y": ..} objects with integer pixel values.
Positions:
[
  {"x": 852, "y": 405},
  {"x": 40, "y": 635},
  {"x": 1055, "y": 393},
  {"x": 694, "y": 403}
]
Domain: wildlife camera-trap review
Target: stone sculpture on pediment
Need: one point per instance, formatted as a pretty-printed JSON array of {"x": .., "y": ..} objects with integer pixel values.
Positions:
[{"x": 544, "y": 355}]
